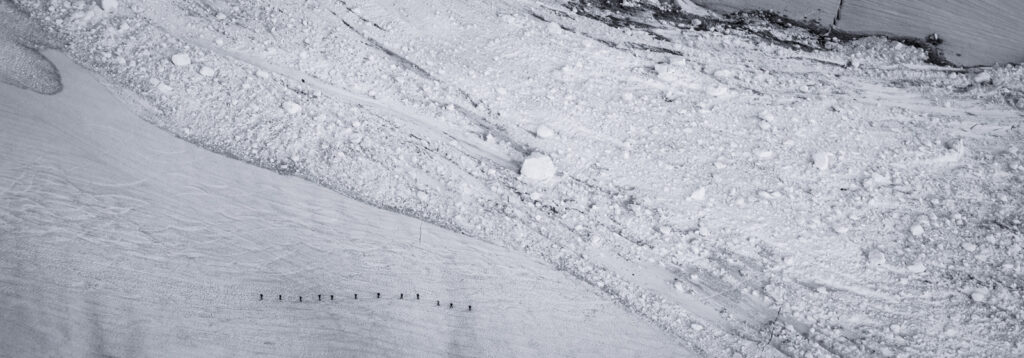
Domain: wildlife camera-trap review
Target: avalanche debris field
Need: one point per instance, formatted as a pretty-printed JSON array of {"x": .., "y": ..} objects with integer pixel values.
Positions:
[{"x": 594, "y": 179}]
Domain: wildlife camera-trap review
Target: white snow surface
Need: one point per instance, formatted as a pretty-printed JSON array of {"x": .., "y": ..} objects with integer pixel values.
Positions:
[
  {"x": 120, "y": 240},
  {"x": 429, "y": 108}
]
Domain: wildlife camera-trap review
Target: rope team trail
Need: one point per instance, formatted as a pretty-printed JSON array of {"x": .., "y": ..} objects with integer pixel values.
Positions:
[{"x": 355, "y": 297}]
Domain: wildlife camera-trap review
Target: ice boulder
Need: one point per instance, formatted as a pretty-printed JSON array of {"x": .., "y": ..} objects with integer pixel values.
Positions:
[
  {"x": 207, "y": 71},
  {"x": 916, "y": 230},
  {"x": 821, "y": 160},
  {"x": 983, "y": 77},
  {"x": 108, "y": 5},
  {"x": 544, "y": 132},
  {"x": 538, "y": 167},
  {"x": 291, "y": 107},
  {"x": 181, "y": 59},
  {"x": 700, "y": 194}
]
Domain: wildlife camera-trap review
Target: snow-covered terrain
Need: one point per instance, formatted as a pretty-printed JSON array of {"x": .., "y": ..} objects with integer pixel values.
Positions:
[
  {"x": 747, "y": 187},
  {"x": 121, "y": 240}
]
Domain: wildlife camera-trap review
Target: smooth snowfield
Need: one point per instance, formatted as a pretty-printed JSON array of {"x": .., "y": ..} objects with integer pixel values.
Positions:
[{"x": 117, "y": 239}]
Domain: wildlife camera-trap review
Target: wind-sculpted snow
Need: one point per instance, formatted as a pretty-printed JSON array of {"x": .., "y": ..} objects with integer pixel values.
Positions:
[{"x": 748, "y": 187}]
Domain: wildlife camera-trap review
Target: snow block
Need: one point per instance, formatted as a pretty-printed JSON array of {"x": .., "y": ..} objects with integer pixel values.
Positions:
[{"x": 538, "y": 167}]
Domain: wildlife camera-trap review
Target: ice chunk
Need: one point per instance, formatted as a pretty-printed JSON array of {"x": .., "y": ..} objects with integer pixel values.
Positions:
[
  {"x": 983, "y": 77},
  {"x": 821, "y": 160},
  {"x": 291, "y": 107},
  {"x": 108, "y": 5},
  {"x": 206, "y": 71},
  {"x": 877, "y": 180},
  {"x": 181, "y": 59},
  {"x": 979, "y": 295},
  {"x": 916, "y": 230},
  {"x": 544, "y": 131},
  {"x": 699, "y": 194},
  {"x": 717, "y": 91},
  {"x": 538, "y": 167},
  {"x": 554, "y": 28},
  {"x": 876, "y": 257}
]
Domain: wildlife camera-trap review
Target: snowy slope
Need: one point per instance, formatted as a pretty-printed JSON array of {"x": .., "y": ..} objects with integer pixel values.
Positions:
[
  {"x": 120, "y": 240},
  {"x": 752, "y": 190}
]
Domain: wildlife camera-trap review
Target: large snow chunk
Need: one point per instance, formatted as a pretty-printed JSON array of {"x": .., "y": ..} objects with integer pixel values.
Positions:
[
  {"x": 181, "y": 59},
  {"x": 983, "y": 77},
  {"x": 538, "y": 167},
  {"x": 544, "y": 132},
  {"x": 916, "y": 230},
  {"x": 876, "y": 257},
  {"x": 291, "y": 107},
  {"x": 554, "y": 28},
  {"x": 717, "y": 91},
  {"x": 108, "y": 5},
  {"x": 207, "y": 71},
  {"x": 821, "y": 160},
  {"x": 699, "y": 195}
]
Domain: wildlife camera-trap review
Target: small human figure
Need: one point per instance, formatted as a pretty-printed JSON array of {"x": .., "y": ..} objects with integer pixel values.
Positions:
[
  {"x": 451, "y": 305},
  {"x": 378, "y": 294},
  {"x": 470, "y": 307},
  {"x": 332, "y": 297},
  {"x": 401, "y": 296},
  {"x": 261, "y": 297},
  {"x": 355, "y": 296},
  {"x": 278, "y": 297},
  {"x": 318, "y": 298},
  {"x": 439, "y": 303},
  {"x": 417, "y": 296},
  {"x": 300, "y": 298}
]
